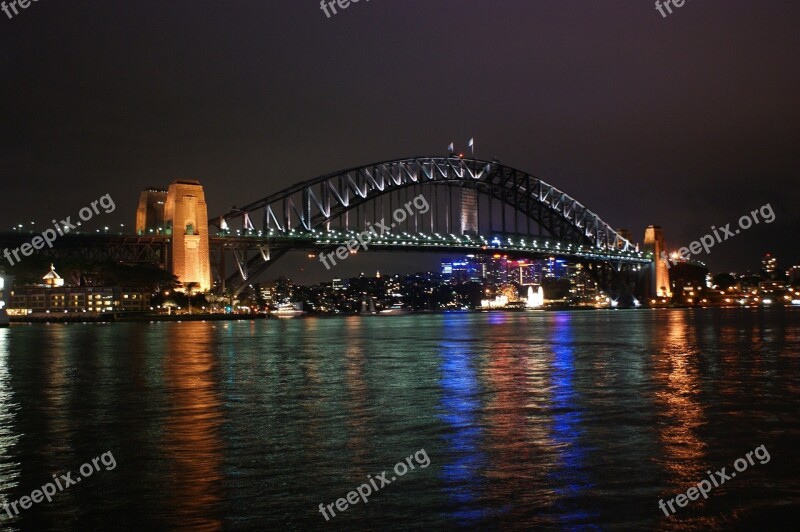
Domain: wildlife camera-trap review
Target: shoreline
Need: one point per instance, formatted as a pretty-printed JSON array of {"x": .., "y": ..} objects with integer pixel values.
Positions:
[
  {"x": 114, "y": 318},
  {"x": 147, "y": 318}
]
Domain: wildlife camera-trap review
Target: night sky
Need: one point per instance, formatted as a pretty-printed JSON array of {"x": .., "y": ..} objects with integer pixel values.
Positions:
[{"x": 686, "y": 122}]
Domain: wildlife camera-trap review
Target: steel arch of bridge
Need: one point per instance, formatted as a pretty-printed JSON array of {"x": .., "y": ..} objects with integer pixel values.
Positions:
[{"x": 314, "y": 204}]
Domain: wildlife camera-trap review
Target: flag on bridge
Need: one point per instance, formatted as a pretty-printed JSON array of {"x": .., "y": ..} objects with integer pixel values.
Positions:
[
  {"x": 472, "y": 145},
  {"x": 451, "y": 148}
]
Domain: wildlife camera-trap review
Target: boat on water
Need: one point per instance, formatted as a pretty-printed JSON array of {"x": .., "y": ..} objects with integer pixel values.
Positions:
[
  {"x": 395, "y": 310},
  {"x": 288, "y": 310}
]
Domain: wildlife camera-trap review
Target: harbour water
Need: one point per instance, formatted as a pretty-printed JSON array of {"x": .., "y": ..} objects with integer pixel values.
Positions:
[{"x": 531, "y": 420}]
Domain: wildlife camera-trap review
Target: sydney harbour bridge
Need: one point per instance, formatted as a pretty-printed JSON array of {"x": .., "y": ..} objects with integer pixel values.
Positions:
[{"x": 443, "y": 204}]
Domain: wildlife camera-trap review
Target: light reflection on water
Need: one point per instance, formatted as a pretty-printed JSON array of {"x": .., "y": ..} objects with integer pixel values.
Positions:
[
  {"x": 531, "y": 420},
  {"x": 9, "y": 466},
  {"x": 192, "y": 430},
  {"x": 679, "y": 399},
  {"x": 570, "y": 476},
  {"x": 462, "y": 474}
]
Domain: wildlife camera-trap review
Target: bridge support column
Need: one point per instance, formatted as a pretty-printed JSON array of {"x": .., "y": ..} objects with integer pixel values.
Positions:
[{"x": 186, "y": 219}]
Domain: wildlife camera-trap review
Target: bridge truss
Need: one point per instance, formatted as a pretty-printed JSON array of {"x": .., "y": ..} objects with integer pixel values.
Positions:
[{"x": 471, "y": 205}]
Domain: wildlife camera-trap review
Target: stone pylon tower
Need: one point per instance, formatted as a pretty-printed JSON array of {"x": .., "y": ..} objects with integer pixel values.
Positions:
[
  {"x": 150, "y": 214},
  {"x": 658, "y": 282},
  {"x": 186, "y": 220}
]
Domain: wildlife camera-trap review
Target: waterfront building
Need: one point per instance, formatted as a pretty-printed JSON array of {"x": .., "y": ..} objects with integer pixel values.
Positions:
[
  {"x": 582, "y": 286},
  {"x": 52, "y": 279},
  {"x": 266, "y": 292},
  {"x": 32, "y": 299},
  {"x": 688, "y": 282},
  {"x": 51, "y": 295}
]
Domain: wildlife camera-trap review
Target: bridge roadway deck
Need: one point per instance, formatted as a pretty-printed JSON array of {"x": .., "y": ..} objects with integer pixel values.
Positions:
[
  {"x": 517, "y": 246},
  {"x": 148, "y": 248}
]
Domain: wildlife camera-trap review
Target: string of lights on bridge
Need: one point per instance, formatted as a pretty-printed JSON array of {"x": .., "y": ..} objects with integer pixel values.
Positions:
[
  {"x": 478, "y": 243},
  {"x": 20, "y": 228}
]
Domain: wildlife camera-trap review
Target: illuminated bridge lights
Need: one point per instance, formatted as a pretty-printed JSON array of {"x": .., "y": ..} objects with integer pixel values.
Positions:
[{"x": 334, "y": 237}]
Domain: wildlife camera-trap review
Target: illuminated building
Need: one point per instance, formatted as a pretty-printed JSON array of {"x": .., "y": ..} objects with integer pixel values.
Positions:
[
  {"x": 466, "y": 269},
  {"x": 497, "y": 269},
  {"x": 79, "y": 299},
  {"x": 521, "y": 271},
  {"x": 52, "y": 296},
  {"x": 51, "y": 279},
  {"x": 582, "y": 286},
  {"x": 554, "y": 268},
  {"x": 768, "y": 264},
  {"x": 266, "y": 293}
]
